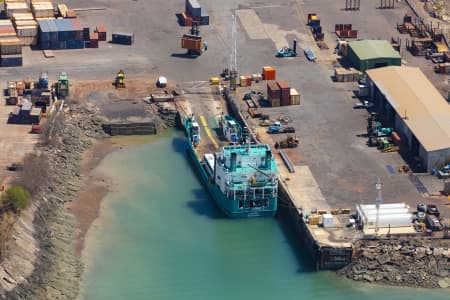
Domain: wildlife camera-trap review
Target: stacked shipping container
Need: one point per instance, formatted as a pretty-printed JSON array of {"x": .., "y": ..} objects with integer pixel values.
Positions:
[
  {"x": 61, "y": 34},
  {"x": 285, "y": 89},
  {"x": 195, "y": 12},
  {"x": 273, "y": 93},
  {"x": 269, "y": 73}
]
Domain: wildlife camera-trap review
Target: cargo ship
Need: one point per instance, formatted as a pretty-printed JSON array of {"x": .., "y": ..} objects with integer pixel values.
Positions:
[{"x": 242, "y": 178}]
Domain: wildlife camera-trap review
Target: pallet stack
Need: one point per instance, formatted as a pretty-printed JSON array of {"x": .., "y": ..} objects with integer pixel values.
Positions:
[
  {"x": 15, "y": 6},
  {"x": 26, "y": 28},
  {"x": 42, "y": 9},
  {"x": 10, "y": 45},
  {"x": 346, "y": 75}
]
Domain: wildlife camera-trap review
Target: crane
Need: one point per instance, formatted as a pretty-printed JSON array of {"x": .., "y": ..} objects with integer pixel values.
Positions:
[{"x": 233, "y": 55}]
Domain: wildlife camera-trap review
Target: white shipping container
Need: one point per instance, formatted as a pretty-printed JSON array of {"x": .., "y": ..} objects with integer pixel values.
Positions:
[
  {"x": 400, "y": 220},
  {"x": 327, "y": 220}
]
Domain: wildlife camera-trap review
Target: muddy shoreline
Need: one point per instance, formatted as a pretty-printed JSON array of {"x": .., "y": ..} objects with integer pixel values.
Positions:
[{"x": 42, "y": 263}]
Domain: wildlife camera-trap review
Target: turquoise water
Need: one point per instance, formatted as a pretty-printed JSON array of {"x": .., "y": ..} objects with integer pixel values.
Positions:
[{"x": 160, "y": 237}]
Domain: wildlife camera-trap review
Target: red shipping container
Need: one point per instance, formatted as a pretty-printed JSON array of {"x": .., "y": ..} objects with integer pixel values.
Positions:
[
  {"x": 93, "y": 44},
  {"x": 347, "y": 26},
  {"x": 249, "y": 80},
  {"x": 283, "y": 85},
  {"x": 273, "y": 90},
  {"x": 338, "y": 27},
  {"x": 285, "y": 100},
  {"x": 93, "y": 36},
  {"x": 101, "y": 30},
  {"x": 353, "y": 34}
]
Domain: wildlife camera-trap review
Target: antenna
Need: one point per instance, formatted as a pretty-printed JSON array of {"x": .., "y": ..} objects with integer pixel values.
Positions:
[
  {"x": 406, "y": 116},
  {"x": 378, "y": 202}
]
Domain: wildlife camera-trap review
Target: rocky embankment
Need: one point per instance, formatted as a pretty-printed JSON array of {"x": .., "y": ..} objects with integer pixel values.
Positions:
[
  {"x": 406, "y": 262},
  {"x": 40, "y": 262}
]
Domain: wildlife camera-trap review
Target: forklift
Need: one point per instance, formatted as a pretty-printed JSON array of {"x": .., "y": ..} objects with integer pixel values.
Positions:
[
  {"x": 120, "y": 80},
  {"x": 193, "y": 42}
]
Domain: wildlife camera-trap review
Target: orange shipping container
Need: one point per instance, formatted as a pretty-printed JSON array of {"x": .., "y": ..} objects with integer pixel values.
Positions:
[
  {"x": 192, "y": 44},
  {"x": 269, "y": 73}
]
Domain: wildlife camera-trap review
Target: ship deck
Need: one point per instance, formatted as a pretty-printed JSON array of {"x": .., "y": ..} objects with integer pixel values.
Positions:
[{"x": 204, "y": 101}]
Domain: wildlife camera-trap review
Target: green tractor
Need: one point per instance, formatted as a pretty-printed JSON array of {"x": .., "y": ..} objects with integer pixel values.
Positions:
[{"x": 62, "y": 86}]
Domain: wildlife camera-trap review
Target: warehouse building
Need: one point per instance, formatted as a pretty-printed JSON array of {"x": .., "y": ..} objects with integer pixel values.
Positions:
[
  {"x": 371, "y": 54},
  {"x": 409, "y": 103}
]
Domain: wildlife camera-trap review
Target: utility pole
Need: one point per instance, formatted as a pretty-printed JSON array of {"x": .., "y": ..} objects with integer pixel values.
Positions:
[
  {"x": 378, "y": 202},
  {"x": 233, "y": 56}
]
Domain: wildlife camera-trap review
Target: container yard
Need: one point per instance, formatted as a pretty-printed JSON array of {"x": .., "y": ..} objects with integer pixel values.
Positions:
[{"x": 329, "y": 175}]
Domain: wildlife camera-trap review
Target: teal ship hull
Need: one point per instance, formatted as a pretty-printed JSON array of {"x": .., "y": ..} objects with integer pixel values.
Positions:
[{"x": 229, "y": 207}]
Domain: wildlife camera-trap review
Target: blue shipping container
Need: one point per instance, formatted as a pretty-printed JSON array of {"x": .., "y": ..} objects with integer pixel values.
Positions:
[
  {"x": 70, "y": 44},
  {"x": 122, "y": 38},
  {"x": 11, "y": 60},
  {"x": 79, "y": 44},
  {"x": 193, "y": 8}
]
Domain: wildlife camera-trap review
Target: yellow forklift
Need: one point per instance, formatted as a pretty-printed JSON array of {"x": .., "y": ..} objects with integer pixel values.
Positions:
[{"x": 120, "y": 80}]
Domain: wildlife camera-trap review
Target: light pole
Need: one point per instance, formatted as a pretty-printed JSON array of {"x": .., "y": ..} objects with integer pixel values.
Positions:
[{"x": 378, "y": 202}]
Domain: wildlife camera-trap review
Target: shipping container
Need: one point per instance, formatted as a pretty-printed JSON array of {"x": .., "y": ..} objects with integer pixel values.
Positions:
[
  {"x": 122, "y": 38},
  {"x": 101, "y": 30},
  {"x": 269, "y": 73},
  {"x": 86, "y": 34},
  {"x": 273, "y": 90},
  {"x": 274, "y": 102},
  {"x": 93, "y": 44},
  {"x": 192, "y": 44},
  {"x": 14, "y": 60},
  {"x": 193, "y": 8},
  {"x": 249, "y": 80},
  {"x": 242, "y": 81},
  {"x": 94, "y": 36},
  {"x": 295, "y": 97}
]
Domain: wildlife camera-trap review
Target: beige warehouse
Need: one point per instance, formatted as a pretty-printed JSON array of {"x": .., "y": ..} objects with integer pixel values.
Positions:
[{"x": 409, "y": 102}]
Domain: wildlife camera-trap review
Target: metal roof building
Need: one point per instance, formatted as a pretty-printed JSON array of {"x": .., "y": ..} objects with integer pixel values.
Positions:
[
  {"x": 370, "y": 54},
  {"x": 415, "y": 108}
]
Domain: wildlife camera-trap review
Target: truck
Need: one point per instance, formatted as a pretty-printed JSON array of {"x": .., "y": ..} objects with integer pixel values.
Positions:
[{"x": 277, "y": 127}]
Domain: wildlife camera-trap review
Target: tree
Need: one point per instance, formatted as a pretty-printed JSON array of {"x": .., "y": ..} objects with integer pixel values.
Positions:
[{"x": 17, "y": 196}]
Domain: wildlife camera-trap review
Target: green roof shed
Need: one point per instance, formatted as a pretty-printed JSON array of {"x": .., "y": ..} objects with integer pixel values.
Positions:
[{"x": 371, "y": 54}]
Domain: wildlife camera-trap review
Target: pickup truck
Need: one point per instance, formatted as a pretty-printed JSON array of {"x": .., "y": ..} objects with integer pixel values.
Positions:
[{"x": 278, "y": 128}]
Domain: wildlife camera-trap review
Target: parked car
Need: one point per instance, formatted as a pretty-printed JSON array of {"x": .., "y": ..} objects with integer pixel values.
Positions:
[
  {"x": 309, "y": 54},
  {"x": 433, "y": 210}
]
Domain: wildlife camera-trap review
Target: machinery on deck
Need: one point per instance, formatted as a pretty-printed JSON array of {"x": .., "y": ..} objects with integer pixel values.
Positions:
[
  {"x": 120, "y": 80},
  {"x": 288, "y": 142},
  {"x": 288, "y": 52},
  {"x": 62, "y": 86},
  {"x": 193, "y": 42}
]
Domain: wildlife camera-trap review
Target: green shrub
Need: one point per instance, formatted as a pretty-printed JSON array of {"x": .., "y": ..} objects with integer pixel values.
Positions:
[{"x": 17, "y": 197}]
